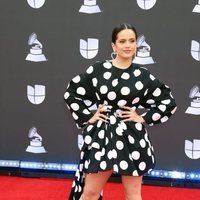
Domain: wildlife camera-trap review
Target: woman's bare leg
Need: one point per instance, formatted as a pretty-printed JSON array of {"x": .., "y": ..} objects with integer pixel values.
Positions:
[
  {"x": 132, "y": 187},
  {"x": 94, "y": 183}
]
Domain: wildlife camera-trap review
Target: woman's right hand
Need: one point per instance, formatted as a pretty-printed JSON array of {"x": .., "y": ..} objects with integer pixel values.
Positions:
[{"x": 98, "y": 115}]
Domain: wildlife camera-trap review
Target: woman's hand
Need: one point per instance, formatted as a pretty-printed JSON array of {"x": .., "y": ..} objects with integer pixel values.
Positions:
[
  {"x": 128, "y": 114},
  {"x": 98, "y": 115}
]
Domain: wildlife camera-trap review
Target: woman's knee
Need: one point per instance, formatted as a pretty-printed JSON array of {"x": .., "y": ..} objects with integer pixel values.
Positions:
[{"x": 90, "y": 194}]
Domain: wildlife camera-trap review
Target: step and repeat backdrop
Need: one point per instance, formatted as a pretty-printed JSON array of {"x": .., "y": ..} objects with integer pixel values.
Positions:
[{"x": 45, "y": 43}]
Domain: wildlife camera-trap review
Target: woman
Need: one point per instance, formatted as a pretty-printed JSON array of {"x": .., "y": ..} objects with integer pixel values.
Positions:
[{"x": 115, "y": 139}]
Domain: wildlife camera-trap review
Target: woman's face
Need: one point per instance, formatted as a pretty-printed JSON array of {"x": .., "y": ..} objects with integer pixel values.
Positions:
[{"x": 125, "y": 45}]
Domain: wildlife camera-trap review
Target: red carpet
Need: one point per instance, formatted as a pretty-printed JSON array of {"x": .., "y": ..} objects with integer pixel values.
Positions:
[{"x": 19, "y": 188}]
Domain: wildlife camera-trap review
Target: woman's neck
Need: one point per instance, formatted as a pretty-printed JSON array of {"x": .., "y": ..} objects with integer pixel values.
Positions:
[{"x": 122, "y": 63}]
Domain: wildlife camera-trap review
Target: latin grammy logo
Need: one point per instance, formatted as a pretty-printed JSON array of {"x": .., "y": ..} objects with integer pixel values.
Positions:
[
  {"x": 194, "y": 107},
  {"x": 143, "y": 52},
  {"x": 36, "y": 142},
  {"x": 35, "y": 54},
  {"x": 90, "y": 7}
]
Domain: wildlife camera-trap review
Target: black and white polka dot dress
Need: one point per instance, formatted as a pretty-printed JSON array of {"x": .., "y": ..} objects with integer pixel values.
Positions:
[{"x": 123, "y": 147}]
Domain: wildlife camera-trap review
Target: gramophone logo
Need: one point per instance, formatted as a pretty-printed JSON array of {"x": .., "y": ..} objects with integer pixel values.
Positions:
[
  {"x": 36, "y": 3},
  {"x": 90, "y": 7},
  {"x": 195, "y": 50},
  {"x": 35, "y": 142},
  {"x": 192, "y": 149},
  {"x": 35, "y": 54},
  {"x": 89, "y": 48},
  {"x": 196, "y": 9},
  {"x": 194, "y": 107},
  {"x": 146, "y": 4},
  {"x": 143, "y": 52},
  {"x": 36, "y": 94}
]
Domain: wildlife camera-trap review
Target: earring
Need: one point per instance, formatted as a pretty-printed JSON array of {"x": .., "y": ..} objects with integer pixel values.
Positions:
[{"x": 113, "y": 55}]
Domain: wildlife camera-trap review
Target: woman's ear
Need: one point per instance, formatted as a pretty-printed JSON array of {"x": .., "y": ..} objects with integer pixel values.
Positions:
[{"x": 113, "y": 46}]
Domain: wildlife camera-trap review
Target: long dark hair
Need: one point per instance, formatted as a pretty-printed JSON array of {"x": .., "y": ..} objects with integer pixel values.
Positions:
[{"x": 121, "y": 27}]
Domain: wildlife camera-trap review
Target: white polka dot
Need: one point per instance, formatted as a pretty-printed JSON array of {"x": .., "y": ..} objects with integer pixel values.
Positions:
[
  {"x": 119, "y": 131},
  {"x": 103, "y": 151},
  {"x": 101, "y": 134},
  {"x": 107, "y": 75},
  {"x": 166, "y": 102},
  {"x": 76, "y": 79},
  {"x": 152, "y": 77},
  {"x": 66, "y": 95},
  {"x": 98, "y": 156},
  {"x": 135, "y": 173},
  {"x": 135, "y": 155},
  {"x": 138, "y": 126},
  {"x": 75, "y": 106},
  {"x": 142, "y": 143},
  {"x": 87, "y": 102},
  {"x": 95, "y": 145},
  {"x": 153, "y": 160},
  {"x": 110, "y": 155},
  {"x": 156, "y": 116},
  {"x": 81, "y": 91},
  {"x": 86, "y": 164},
  {"x": 111, "y": 95},
  {"x": 131, "y": 139},
  {"x": 164, "y": 119},
  {"x": 157, "y": 92},
  {"x": 85, "y": 111},
  {"x": 123, "y": 165},
  {"x": 94, "y": 82},
  {"x": 125, "y": 91},
  {"x": 99, "y": 123},
  {"x": 145, "y": 93},
  {"x": 90, "y": 70},
  {"x": 114, "y": 153},
  {"x": 142, "y": 166},
  {"x": 103, "y": 165},
  {"x": 125, "y": 76},
  {"x": 119, "y": 145},
  {"x": 136, "y": 100},
  {"x": 115, "y": 168},
  {"x": 107, "y": 65},
  {"x": 74, "y": 116},
  {"x": 88, "y": 139},
  {"x": 121, "y": 103},
  {"x": 97, "y": 96},
  {"x": 139, "y": 85},
  {"x": 149, "y": 152},
  {"x": 150, "y": 101},
  {"x": 89, "y": 128},
  {"x": 107, "y": 140},
  {"x": 137, "y": 72},
  {"x": 162, "y": 108},
  {"x": 112, "y": 119},
  {"x": 103, "y": 89},
  {"x": 114, "y": 82},
  {"x": 79, "y": 188},
  {"x": 146, "y": 137}
]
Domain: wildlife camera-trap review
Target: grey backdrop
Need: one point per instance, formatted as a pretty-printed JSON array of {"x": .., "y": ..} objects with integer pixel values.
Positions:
[{"x": 169, "y": 28}]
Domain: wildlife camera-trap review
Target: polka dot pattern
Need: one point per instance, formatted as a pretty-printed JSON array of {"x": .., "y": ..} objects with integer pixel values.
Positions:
[{"x": 124, "y": 147}]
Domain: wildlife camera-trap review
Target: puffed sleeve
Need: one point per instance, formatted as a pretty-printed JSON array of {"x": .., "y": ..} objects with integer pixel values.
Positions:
[
  {"x": 80, "y": 95},
  {"x": 158, "y": 100}
]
